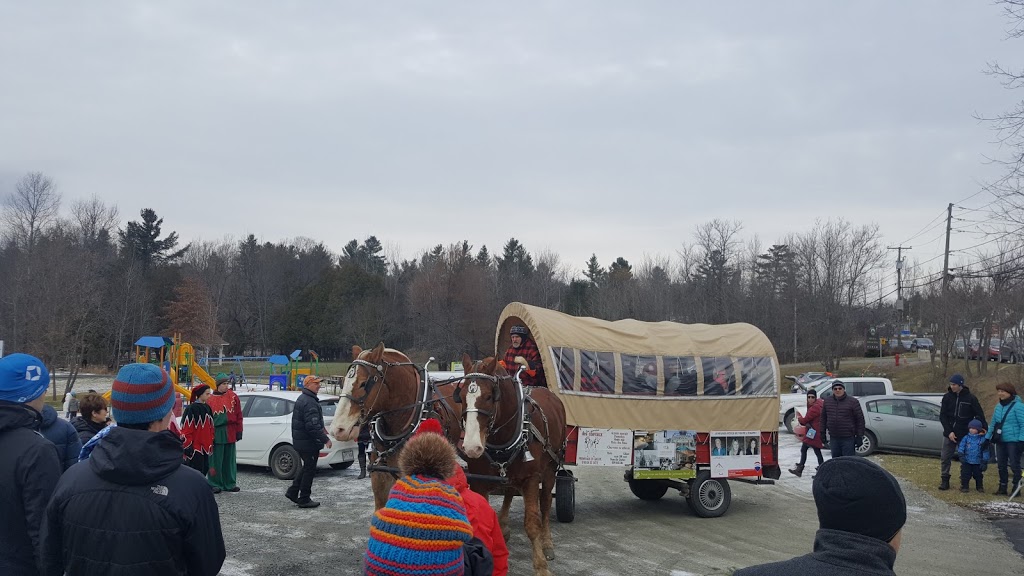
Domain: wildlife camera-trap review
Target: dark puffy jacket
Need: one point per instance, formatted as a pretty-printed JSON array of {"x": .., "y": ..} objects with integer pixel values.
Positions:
[
  {"x": 86, "y": 428},
  {"x": 842, "y": 418},
  {"x": 308, "y": 433},
  {"x": 63, "y": 435},
  {"x": 836, "y": 553},
  {"x": 958, "y": 410},
  {"x": 132, "y": 508},
  {"x": 29, "y": 470}
]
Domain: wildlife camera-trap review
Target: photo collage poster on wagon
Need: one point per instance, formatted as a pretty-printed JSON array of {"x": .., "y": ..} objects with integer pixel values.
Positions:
[
  {"x": 735, "y": 453},
  {"x": 665, "y": 454}
]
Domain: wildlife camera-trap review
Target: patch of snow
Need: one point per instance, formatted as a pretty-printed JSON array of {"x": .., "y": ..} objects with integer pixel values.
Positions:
[
  {"x": 1001, "y": 508},
  {"x": 234, "y": 567}
]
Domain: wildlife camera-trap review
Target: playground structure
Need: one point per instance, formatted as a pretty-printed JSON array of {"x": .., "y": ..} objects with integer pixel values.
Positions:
[
  {"x": 286, "y": 372},
  {"x": 177, "y": 358},
  {"x": 278, "y": 372}
]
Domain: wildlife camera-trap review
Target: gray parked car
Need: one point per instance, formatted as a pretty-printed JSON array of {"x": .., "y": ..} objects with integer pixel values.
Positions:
[{"x": 901, "y": 423}]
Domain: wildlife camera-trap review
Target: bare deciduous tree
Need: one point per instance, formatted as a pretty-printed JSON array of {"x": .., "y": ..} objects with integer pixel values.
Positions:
[{"x": 34, "y": 205}]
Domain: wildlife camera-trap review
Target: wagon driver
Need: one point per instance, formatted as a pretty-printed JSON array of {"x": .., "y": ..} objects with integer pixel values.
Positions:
[{"x": 524, "y": 352}]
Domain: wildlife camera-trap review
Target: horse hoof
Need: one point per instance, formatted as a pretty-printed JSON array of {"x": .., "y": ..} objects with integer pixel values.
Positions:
[{"x": 549, "y": 553}]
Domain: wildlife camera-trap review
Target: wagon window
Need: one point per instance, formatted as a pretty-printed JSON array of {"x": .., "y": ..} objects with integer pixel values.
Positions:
[
  {"x": 597, "y": 371},
  {"x": 757, "y": 376},
  {"x": 680, "y": 376},
  {"x": 639, "y": 375},
  {"x": 565, "y": 361},
  {"x": 719, "y": 376}
]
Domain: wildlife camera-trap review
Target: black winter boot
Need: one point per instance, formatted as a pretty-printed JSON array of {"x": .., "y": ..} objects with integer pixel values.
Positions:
[
  {"x": 1001, "y": 490},
  {"x": 362, "y": 465},
  {"x": 944, "y": 485},
  {"x": 797, "y": 470},
  {"x": 979, "y": 485}
]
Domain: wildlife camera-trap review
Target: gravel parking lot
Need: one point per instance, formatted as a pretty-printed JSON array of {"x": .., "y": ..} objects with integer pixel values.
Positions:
[{"x": 614, "y": 533}]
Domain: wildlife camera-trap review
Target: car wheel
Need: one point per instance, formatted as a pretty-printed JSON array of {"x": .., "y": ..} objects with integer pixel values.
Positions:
[
  {"x": 868, "y": 444},
  {"x": 788, "y": 420},
  {"x": 647, "y": 489},
  {"x": 709, "y": 497},
  {"x": 285, "y": 462},
  {"x": 342, "y": 465}
]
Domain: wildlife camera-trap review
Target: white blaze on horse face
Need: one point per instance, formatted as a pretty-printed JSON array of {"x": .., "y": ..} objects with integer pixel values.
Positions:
[
  {"x": 344, "y": 425},
  {"x": 473, "y": 444}
]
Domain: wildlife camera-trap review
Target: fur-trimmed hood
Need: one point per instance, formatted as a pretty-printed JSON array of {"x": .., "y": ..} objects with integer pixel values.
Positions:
[{"x": 428, "y": 454}]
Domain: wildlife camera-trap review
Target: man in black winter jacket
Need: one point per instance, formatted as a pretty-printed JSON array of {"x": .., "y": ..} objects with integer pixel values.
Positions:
[
  {"x": 308, "y": 437},
  {"x": 861, "y": 513},
  {"x": 132, "y": 508},
  {"x": 29, "y": 465},
  {"x": 843, "y": 419},
  {"x": 958, "y": 408}
]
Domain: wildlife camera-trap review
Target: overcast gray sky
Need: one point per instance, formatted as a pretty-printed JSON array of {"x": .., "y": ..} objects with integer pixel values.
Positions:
[{"x": 578, "y": 127}]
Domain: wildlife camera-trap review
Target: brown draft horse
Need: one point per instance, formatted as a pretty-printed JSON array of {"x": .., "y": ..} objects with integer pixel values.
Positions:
[
  {"x": 384, "y": 382},
  {"x": 491, "y": 409}
]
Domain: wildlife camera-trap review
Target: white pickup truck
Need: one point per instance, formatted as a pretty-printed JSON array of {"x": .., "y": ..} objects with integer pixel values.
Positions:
[{"x": 857, "y": 386}]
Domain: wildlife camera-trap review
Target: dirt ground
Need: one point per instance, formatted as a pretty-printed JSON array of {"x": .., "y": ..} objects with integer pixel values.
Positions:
[{"x": 614, "y": 533}]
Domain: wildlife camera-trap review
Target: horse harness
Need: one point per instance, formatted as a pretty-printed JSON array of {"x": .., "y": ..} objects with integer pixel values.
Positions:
[
  {"x": 385, "y": 444},
  {"x": 502, "y": 455}
]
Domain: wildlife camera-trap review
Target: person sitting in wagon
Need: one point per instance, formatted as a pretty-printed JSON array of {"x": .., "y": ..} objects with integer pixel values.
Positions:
[{"x": 525, "y": 353}]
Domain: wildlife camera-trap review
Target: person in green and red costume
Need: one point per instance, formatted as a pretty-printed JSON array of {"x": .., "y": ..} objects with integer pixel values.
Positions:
[
  {"x": 197, "y": 430},
  {"x": 227, "y": 422}
]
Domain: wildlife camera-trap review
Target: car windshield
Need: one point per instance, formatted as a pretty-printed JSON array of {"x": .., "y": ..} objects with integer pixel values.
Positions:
[
  {"x": 926, "y": 341},
  {"x": 995, "y": 342}
]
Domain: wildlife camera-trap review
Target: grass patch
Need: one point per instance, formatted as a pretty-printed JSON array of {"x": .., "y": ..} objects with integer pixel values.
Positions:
[{"x": 923, "y": 472}]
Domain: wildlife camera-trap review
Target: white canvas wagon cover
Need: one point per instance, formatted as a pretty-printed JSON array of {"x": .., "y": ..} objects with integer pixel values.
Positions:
[{"x": 653, "y": 375}]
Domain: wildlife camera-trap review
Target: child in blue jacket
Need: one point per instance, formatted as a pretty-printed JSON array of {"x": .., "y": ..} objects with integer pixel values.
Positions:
[{"x": 973, "y": 452}]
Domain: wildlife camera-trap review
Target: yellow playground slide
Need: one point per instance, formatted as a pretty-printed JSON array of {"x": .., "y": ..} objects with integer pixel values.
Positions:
[{"x": 203, "y": 375}]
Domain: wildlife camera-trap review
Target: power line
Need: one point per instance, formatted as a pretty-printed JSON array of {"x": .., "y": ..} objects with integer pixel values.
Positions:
[{"x": 927, "y": 227}]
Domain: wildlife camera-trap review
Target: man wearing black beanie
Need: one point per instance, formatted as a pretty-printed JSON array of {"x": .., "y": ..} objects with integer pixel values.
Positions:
[{"x": 861, "y": 513}]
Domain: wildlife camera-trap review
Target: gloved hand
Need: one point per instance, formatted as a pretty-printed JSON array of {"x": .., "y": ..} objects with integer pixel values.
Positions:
[
  {"x": 238, "y": 437},
  {"x": 857, "y": 440},
  {"x": 522, "y": 362}
]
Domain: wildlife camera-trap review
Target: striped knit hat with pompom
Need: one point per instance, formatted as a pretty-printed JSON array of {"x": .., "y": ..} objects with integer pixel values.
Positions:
[{"x": 421, "y": 529}]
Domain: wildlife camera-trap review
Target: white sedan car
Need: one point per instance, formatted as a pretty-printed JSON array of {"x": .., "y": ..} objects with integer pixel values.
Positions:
[{"x": 267, "y": 435}]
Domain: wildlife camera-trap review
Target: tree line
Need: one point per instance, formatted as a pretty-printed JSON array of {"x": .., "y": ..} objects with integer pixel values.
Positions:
[{"x": 78, "y": 287}]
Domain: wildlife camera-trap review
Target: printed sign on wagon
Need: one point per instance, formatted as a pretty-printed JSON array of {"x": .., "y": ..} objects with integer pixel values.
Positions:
[
  {"x": 604, "y": 447},
  {"x": 735, "y": 453}
]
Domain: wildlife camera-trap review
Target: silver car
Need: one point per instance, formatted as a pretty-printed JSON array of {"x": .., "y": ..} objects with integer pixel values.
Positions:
[{"x": 901, "y": 423}]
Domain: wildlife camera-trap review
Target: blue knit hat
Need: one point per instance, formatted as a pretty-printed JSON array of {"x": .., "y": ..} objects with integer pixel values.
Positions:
[
  {"x": 976, "y": 424},
  {"x": 23, "y": 378},
  {"x": 423, "y": 526},
  {"x": 142, "y": 393},
  {"x": 956, "y": 379}
]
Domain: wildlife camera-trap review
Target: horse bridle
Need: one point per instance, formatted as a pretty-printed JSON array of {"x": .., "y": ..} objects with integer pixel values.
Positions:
[
  {"x": 379, "y": 373},
  {"x": 490, "y": 414}
]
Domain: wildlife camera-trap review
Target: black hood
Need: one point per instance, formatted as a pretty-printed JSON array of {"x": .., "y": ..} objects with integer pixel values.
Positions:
[
  {"x": 14, "y": 415},
  {"x": 136, "y": 457}
]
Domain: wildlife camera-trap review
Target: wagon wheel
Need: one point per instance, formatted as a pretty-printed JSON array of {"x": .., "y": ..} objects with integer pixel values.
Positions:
[
  {"x": 646, "y": 489},
  {"x": 709, "y": 497},
  {"x": 565, "y": 496}
]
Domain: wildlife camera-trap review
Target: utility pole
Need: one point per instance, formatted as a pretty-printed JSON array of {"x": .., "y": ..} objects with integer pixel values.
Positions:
[
  {"x": 899, "y": 278},
  {"x": 945, "y": 287},
  {"x": 945, "y": 259}
]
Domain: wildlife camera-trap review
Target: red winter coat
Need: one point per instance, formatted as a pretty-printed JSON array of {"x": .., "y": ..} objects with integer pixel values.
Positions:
[
  {"x": 813, "y": 420},
  {"x": 483, "y": 520}
]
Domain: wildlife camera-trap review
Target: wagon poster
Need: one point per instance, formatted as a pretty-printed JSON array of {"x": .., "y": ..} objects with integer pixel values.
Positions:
[
  {"x": 604, "y": 447},
  {"x": 735, "y": 453},
  {"x": 665, "y": 454}
]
